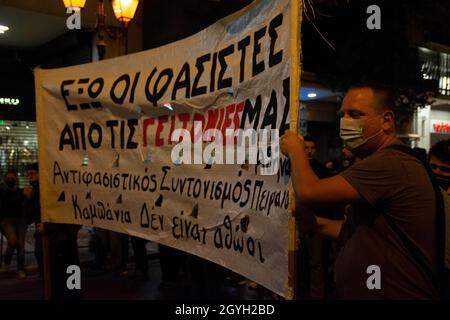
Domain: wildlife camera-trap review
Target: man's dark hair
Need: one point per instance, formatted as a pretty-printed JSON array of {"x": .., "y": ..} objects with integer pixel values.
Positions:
[
  {"x": 441, "y": 150},
  {"x": 385, "y": 96},
  {"x": 309, "y": 139},
  {"x": 33, "y": 166}
]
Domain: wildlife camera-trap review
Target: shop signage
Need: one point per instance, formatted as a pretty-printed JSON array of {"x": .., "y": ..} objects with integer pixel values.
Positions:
[
  {"x": 9, "y": 101},
  {"x": 440, "y": 126}
]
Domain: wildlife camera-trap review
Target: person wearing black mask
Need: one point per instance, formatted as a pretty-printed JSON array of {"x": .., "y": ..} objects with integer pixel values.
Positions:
[
  {"x": 315, "y": 251},
  {"x": 62, "y": 241},
  {"x": 439, "y": 159},
  {"x": 12, "y": 223},
  {"x": 33, "y": 210}
]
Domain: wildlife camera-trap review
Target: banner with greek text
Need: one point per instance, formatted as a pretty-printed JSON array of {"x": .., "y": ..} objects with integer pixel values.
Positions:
[{"x": 179, "y": 144}]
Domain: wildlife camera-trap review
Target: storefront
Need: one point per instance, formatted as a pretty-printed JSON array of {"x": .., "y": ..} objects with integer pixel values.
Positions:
[
  {"x": 433, "y": 124},
  {"x": 318, "y": 119},
  {"x": 18, "y": 136},
  {"x": 18, "y": 140}
]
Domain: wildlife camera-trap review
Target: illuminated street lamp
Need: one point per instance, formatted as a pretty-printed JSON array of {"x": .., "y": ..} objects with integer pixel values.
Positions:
[
  {"x": 74, "y": 4},
  {"x": 124, "y": 11}
]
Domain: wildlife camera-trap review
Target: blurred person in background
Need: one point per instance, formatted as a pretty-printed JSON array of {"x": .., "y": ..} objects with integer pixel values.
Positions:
[
  {"x": 13, "y": 223},
  {"x": 439, "y": 160},
  {"x": 62, "y": 241}
]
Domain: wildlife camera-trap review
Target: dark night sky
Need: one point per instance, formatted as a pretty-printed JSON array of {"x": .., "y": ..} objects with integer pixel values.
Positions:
[{"x": 360, "y": 53}]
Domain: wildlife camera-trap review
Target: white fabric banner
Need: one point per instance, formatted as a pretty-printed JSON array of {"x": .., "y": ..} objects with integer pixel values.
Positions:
[{"x": 105, "y": 147}]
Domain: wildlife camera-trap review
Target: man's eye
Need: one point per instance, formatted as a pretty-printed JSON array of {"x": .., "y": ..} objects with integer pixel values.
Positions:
[
  {"x": 340, "y": 114},
  {"x": 355, "y": 114}
]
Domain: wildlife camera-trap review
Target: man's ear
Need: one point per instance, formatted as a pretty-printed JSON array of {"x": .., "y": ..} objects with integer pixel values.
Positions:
[{"x": 388, "y": 120}]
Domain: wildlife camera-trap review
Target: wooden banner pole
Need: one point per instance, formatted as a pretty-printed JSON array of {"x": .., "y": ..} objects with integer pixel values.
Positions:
[
  {"x": 296, "y": 17},
  {"x": 41, "y": 154}
]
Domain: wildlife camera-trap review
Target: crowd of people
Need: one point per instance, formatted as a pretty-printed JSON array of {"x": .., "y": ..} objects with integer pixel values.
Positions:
[
  {"x": 382, "y": 203},
  {"x": 20, "y": 208}
]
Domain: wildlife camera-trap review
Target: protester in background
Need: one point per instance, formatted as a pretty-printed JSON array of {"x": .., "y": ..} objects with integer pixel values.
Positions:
[
  {"x": 172, "y": 262},
  {"x": 310, "y": 150},
  {"x": 140, "y": 259},
  {"x": 316, "y": 249},
  {"x": 33, "y": 211},
  {"x": 439, "y": 159},
  {"x": 118, "y": 252},
  {"x": 12, "y": 223},
  {"x": 116, "y": 244},
  {"x": 63, "y": 252},
  {"x": 62, "y": 242},
  {"x": 394, "y": 209},
  {"x": 206, "y": 278}
]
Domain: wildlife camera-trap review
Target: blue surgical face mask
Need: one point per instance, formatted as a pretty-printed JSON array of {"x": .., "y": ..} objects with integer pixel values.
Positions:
[{"x": 352, "y": 134}]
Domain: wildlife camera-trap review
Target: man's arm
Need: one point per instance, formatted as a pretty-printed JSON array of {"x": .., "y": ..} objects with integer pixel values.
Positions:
[
  {"x": 329, "y": 228},
  {"x": 309, "y": 190},
  {"x": 311, "y": 223}
]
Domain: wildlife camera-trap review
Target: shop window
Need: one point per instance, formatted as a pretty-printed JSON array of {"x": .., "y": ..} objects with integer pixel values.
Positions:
[
  {"x": 436, "y": 66},
  {"x": 18, "y": 147}
]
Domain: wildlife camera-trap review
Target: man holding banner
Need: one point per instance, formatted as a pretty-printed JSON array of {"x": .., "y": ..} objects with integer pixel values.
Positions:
[{"x": 392, "y": 200}]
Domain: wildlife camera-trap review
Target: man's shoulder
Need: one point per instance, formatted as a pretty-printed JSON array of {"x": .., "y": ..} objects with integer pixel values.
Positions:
[
  {"x": 400, "y": 154},
  {"x": 394, "y": 149},
  {"x": 388, "y": 169},
  {"x": 397, "y": 148},
  {"x": 384, "y": 158},
  {"x": 391, "y": 156},
  {"x": 385, "y": 167}
]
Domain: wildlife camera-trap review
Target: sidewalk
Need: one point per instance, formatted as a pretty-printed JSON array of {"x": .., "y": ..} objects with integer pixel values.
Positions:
[{"x": 102, "y": 285}]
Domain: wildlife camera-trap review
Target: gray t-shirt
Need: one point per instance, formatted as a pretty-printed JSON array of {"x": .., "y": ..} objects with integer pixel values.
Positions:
[{"x": 392, "y": 183}]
